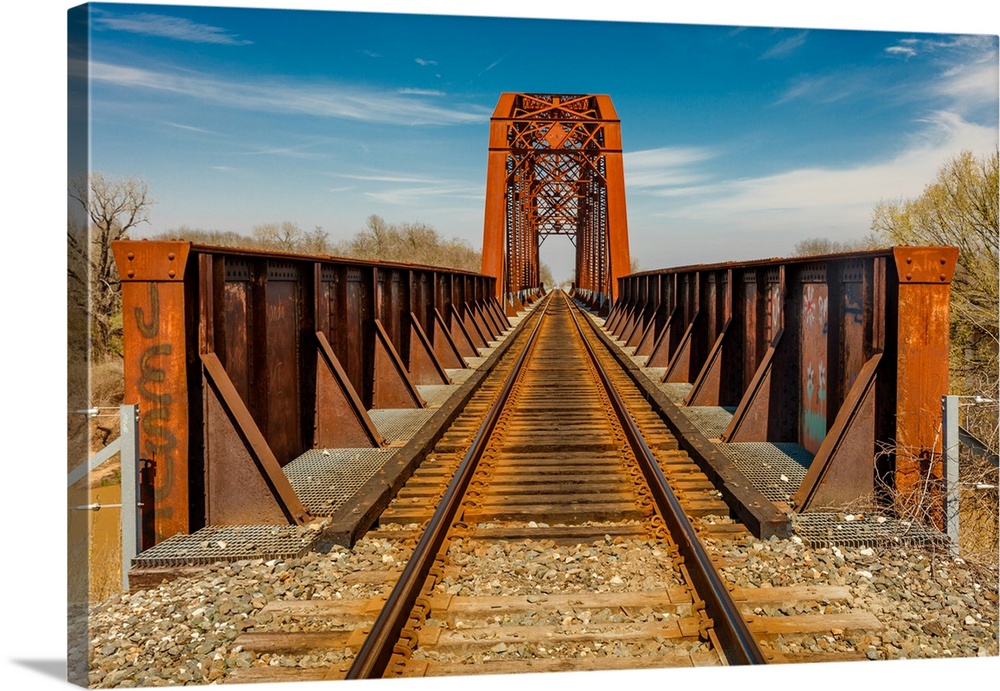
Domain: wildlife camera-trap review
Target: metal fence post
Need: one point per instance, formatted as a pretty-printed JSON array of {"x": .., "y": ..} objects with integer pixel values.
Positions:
[
  {"x": 950, "y": 441},
  {"x": 130, "y": 487}
]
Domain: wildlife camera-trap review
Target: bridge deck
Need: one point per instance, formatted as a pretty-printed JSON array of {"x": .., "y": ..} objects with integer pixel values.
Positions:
[{"x": 347, "y": 488}]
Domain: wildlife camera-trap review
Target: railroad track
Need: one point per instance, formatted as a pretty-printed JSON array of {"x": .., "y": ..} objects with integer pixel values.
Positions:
[{"x": 555, "y": 470}]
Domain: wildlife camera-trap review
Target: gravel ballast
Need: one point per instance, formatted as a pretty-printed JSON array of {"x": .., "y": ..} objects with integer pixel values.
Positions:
[{"x": 184, "y": 631}]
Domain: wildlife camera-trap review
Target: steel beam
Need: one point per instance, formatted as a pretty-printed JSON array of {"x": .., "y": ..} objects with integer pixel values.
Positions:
[
  {"x": 845, "y": 355},
  {"x": 555, "y": 168},
  {"x": 241, "y": 360}
]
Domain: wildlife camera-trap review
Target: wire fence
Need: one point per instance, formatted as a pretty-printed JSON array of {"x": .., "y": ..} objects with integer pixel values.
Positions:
[{"x": 127, "y": 447}]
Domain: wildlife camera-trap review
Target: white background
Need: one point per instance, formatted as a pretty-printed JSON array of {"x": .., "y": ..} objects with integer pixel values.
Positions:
[{"x": 32, "y": 325}]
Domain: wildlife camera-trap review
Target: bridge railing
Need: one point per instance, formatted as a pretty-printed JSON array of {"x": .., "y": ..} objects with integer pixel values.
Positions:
[
  {"x": 242, "y": 360},
  {"x": 845, "y": 355}
]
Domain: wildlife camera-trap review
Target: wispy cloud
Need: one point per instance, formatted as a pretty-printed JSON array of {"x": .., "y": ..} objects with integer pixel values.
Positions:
[
  {"x": 413, "y": 197},
  {"x": 165, "y": 26},
  {"x": 385, "y": 178},
  {"x": 301, "y": 151},
  {"x": 786, "y": 46},
  {"x": 660, "y": 171},
  {"x": 421, "y": 92},
  {"x": 905, "y": 51},
  {"x": 767, "y": 215},
  {"x": 971, "y": 85},
  {"x": 411, "y": 190},
  {"x": 910, "y": 47},
  {"x": 189, "y": 128},
  {"x": 287, "y": 96}
]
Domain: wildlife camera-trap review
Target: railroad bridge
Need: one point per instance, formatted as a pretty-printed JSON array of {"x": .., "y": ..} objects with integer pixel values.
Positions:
[{"x": 285, "y": 400}]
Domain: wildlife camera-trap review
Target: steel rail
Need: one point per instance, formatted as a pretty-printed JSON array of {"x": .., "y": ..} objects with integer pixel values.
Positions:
[
  {"x": 738, "y": 644},
  {"x": 376, "y": 652}
]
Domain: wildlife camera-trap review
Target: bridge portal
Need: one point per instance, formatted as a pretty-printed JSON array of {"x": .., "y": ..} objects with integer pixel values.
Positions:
[{"x": 555, "y": 168}]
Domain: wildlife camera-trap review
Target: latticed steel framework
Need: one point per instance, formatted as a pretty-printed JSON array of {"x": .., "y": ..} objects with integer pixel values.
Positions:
[{"x": 555, "y": 168}]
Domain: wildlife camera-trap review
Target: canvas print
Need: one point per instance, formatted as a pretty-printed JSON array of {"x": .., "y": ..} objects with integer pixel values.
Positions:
[{"x": 457, "y": 346}]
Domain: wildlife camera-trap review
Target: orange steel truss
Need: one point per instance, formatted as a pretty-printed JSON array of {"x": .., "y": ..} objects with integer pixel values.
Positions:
[{"x": 555, "y": 168}]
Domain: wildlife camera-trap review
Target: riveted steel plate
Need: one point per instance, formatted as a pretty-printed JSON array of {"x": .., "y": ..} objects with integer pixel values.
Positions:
[
  {"x": 776, "y": 470},
  {"x": 324, "y": 479},
  {"x": 229, "y": 543},
  {"x": 400, "y": 424},
  {"x": 710, "y": 420},
  {"x": 436, "y": 394},
  {"x": 828, "y": 529}
]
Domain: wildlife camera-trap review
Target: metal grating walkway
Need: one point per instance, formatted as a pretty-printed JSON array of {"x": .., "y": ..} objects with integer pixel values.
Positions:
[
  {"x": 829, "y": 529},
  {"x": 676, "y": 392},
  {"x": 436, "y": 394},
  {"x": 775, "y": 469},
  {"x": 399, "y": 425},
  {"x": 459, "y": 376},
  {"x": 229, "y": 543},
  {"x": 324, "y": 479},
  {"x": 709, "y": 420}
]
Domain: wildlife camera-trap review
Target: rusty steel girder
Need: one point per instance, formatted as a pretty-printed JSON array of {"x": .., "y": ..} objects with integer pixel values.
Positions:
[
  {"x": 845, "y": 355},
  {"x": 555, "y": 168},
  {"x": 242, "y": 360}
]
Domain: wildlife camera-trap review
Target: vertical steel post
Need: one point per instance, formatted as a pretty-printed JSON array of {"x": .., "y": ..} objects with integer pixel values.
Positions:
[
  {"x": 155, "y": 315},
  {"x": 949, "y": 428},
  {"x": 130, "y": 516}
]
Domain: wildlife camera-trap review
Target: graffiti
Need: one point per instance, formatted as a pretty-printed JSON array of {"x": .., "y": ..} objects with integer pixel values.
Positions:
[
  {"x": 852, "y": 304},
  {"x": 159, "y": 442},
  {"x": 815, "y": 308},
  {"x": 151, "y": 328},
  {"x": 815, "y": 325},
  {"x": 775, "y": 305}
]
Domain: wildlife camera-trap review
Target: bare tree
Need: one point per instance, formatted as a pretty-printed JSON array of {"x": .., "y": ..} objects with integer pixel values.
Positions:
[
  {"x": 114, "y": 207},
  {"x": 284, "y": 236},
  {"x": 416, "y": 243},
  {"x": 960, "y": 208},
  {"x": 817, "y": 246}
]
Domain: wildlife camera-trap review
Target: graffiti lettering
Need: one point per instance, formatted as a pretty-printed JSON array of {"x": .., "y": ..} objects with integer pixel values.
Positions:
[
  {"x": 148, "y": 373},
  {"x": 151, "y": 328},
  {"x": 159, "y": 441}
]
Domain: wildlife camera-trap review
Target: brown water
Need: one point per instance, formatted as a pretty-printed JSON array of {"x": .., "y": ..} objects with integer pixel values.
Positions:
[{"x": 94, "y": 543}]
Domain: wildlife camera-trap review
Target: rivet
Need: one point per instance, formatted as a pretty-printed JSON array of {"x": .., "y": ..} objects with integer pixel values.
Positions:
[
  {"x": 131, "y": 256},
  {"x": 171, "y": 273}
]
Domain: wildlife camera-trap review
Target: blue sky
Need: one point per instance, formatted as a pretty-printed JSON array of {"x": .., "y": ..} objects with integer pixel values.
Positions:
[{"x": 739, "y": 141}]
